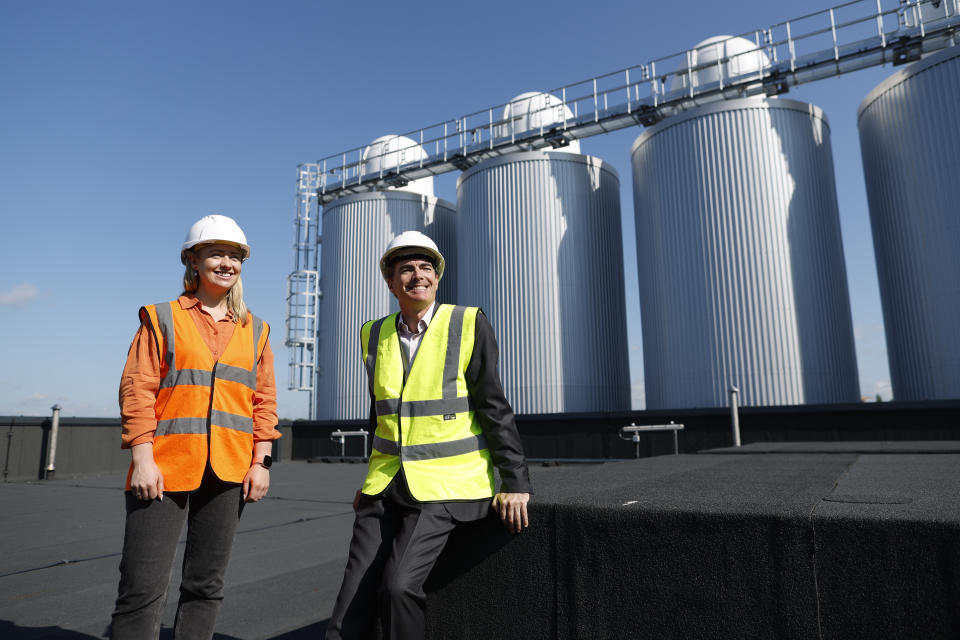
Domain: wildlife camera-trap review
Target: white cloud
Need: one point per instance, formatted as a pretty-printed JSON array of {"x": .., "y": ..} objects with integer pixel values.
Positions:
[
  {"x": 883, "y": 388},
  {"x": 31, "y": 404},
  {"x": 89, "y": 409},
  {"x": 18, "y": 295},
  {"x": 40, "y": 403},
  {"x": 880, "y": 388}
]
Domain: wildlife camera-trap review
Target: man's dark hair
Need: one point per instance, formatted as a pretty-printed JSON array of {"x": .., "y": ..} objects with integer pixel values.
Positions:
[{"x": 394, "y": 259}]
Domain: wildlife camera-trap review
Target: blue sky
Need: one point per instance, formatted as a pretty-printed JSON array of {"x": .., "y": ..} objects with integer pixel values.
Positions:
[{"x": 123, "y": 122}]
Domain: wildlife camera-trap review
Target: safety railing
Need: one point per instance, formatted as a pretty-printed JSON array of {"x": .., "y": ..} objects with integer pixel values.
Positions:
[
  {"x": 844, "y": 38},
  {"x": 340, "y": 437},
  {"x": 632, "y": 432}
]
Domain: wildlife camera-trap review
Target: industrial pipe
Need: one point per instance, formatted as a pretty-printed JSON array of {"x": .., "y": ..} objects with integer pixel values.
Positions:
[
  {"x": 52, "y": 446},
  {"x": 735, "y": 415},
  {"x": 6, "y": 460}
]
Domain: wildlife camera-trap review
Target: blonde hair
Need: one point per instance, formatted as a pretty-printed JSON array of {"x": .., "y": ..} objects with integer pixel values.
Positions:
[{"x": 191, "y": 282}]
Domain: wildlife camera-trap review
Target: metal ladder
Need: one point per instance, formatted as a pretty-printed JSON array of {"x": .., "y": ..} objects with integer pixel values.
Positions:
[{"x": 303, "y": 287}]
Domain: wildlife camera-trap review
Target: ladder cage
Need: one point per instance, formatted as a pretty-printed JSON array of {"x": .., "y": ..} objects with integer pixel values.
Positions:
[{"x": 303, "y": 285}]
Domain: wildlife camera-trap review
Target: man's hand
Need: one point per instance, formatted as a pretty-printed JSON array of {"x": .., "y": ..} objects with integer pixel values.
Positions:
[
  {"x": 512, "y": 508},
  {"x": 255, "y": 483}
]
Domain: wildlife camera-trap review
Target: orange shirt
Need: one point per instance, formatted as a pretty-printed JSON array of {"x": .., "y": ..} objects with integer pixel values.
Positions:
[{"x": 141, "y": 378}]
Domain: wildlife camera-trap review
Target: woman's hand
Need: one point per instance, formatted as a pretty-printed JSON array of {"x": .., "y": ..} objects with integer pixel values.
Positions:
[
  {"x": 146, "y": 482},
  {"x": 255, "y": 483},
  {"x": 257, "y": 480}
]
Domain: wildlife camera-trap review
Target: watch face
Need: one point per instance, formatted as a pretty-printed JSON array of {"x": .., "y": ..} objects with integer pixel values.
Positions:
[{"x": 267, "y": 462}]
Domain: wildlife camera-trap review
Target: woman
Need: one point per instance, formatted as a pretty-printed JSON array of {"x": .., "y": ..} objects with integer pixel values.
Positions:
[{"x": 198, "y": 405}]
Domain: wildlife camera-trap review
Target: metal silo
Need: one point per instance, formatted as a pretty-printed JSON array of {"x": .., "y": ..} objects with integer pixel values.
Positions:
[
  {"x": 741, "y": 270},
  {"x": 356, "y": 229},
  {"x": 910, "y": 140},
  {"x": 539, "y": 249}
]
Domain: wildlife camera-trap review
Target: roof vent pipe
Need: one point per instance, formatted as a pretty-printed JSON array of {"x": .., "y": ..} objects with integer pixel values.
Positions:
[{"x": 52, "y": 446}]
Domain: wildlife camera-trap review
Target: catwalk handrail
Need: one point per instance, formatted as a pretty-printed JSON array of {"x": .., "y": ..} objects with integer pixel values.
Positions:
[{"x": 844, "y": 38}]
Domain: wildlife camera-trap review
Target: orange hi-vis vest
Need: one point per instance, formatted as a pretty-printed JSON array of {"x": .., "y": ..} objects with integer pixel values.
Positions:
[{"x": 204, "y": 407}]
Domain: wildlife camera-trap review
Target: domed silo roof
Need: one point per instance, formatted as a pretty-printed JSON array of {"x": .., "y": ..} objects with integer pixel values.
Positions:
[
  {"x": 535, "y": 110},
  {"x": 385, "y": 154},
  {"x": 742, "y": 58}
]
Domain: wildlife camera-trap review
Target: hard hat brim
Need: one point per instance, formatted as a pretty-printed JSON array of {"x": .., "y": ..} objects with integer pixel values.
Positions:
[
  {"x": 188, "y": 246},
  {"x": 402, "y": 252}
]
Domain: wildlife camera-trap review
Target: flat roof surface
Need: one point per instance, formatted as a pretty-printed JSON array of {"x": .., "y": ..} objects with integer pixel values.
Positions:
[
  {"x": 874, "y": 446},
  {"x": 62, "y": 538},
  {"x": 61, "y": 541}
]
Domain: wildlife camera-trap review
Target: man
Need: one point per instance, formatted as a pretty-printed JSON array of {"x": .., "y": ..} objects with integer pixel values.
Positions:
[{"x": 441, "y": 424}]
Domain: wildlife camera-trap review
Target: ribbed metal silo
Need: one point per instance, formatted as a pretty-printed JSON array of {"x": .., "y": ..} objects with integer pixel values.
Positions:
[
  {"x": 910, "y": 140},
  {"x": 539, "y": 249},
  {"x": 356, "y": 230},
  {"x": 741, "y": 269}
]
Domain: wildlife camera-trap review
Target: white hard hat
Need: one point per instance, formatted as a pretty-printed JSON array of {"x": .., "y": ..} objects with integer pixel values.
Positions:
[
  {"x": 411, "y": 243},
  {"x": 214, "y": 228}
]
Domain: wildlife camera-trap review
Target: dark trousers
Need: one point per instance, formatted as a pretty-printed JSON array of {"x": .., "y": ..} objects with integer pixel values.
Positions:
[
  {"x": 149, "y": 546},
  {"x": 396, "y": 541}
]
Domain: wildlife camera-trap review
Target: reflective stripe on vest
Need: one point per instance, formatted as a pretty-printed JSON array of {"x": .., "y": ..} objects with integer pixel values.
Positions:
[
  {"x": 204, "y": 408},
  {"x": 425, "y": 422}
]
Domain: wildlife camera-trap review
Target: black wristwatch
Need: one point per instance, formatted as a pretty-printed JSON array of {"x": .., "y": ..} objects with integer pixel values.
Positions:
[{"x": 266, "y": 463}]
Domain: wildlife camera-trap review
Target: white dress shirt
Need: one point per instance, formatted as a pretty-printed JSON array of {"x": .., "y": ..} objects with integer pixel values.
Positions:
[{"x": 410, "y": 340}]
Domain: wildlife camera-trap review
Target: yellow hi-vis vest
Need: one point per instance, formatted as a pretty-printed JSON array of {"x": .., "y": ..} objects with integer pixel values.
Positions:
[
  {"x": 425, "y": 421},
  {"x": 204, "y": 407}
]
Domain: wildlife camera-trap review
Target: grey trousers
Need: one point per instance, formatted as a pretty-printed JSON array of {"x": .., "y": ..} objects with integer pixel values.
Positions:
[
  {"x": 396, "y": 541},
  {"x": 149, "y": 545}
]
